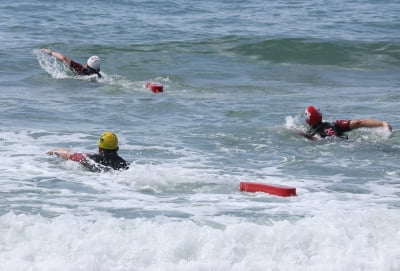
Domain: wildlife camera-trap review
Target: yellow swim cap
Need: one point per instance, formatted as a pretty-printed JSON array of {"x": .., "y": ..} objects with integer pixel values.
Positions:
[{"x": 108, "y": 141}]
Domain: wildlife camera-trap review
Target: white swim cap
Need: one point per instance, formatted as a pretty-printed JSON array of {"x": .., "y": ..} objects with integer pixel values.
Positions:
[{"x": 94, "y": 62}]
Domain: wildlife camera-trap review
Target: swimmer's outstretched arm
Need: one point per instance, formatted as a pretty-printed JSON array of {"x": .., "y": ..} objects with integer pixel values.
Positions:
[
  {"x": 60, "y": 152},
  {"x": 367, "y": 123},
  {"x": 58, "y": 55}
]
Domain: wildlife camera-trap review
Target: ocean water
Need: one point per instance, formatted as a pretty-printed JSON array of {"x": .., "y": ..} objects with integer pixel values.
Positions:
[{"x": 237, "y": 76}]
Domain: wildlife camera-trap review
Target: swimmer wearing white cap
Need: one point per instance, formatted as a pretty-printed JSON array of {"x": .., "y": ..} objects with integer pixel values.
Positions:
[{"x": 92, "y": 65}]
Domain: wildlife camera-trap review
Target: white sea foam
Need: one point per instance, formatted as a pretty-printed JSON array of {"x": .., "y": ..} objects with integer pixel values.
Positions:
[
  {"x": 334, "y": 240},
  {"x": 165, "y": 217}
]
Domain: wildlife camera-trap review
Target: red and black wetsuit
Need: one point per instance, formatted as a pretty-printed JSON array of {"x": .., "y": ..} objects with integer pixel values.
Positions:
[
  {"x": 324, "y": 129},
  {"x": 81, "y": 70},
  {"x": 107, "y": 160}
]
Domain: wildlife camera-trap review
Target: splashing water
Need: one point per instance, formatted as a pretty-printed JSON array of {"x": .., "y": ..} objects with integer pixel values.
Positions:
[{"x": 50, "y": 64}]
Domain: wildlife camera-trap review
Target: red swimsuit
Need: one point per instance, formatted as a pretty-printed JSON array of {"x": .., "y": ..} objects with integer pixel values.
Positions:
[
  {"x": 81, "y": 70},
  {"x": 324, "y": 129},
  {"x": 96, "y": 162}
]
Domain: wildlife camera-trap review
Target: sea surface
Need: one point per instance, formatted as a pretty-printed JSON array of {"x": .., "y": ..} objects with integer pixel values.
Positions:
[{"x": 237, "y": 76}]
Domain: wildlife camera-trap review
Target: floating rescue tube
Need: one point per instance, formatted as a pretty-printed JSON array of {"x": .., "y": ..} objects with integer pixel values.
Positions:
[
  {"x": 278, "y": 190},
  {"x": 155, "y": 87}
]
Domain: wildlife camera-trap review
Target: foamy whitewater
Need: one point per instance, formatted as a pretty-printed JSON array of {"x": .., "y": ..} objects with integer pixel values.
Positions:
[{"x": 237, "y": 77}]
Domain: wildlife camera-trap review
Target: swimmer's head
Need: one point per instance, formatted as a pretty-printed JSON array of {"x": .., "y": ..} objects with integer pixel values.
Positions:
[
  {"x": 312, "y": 115},
  {"x": 108, "y": 141},
  {"x": 94, "y": 62}
]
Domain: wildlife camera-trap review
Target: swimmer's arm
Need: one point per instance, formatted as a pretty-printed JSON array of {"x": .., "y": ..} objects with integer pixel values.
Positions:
[
  {"x": 68, "y": 155},
  {"x": 308, "y": 136},
  {"x": 355, "y": 124},
  {"x": 58, "y": 55},
  {"x": 60, "y": 152}
]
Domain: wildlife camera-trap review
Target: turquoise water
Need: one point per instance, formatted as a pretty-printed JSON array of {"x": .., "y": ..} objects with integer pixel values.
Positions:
[{"x": 237, "y": 77}]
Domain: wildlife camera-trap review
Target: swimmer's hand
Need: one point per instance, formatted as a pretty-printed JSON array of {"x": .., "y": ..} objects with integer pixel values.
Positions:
[
  {"x": 308, "y": 136},
  {"x": 60, "y": 152},
  {"x": 46, "y": 51},
  {"x": 387, "y": 125}
]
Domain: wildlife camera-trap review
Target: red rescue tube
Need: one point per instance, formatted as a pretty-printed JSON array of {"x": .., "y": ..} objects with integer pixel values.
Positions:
[
  {"x": 278, "y": 190},
  {"x": 155, "y": 87}
]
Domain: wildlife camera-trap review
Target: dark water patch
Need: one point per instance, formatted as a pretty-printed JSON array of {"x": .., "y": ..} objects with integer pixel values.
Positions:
[{"x": 367, "y": 55}]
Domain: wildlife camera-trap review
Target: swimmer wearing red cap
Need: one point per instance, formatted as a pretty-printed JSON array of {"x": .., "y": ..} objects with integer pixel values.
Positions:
[
  {"x": 338, "y": 128},
  {"x": 92, "y": 64}
]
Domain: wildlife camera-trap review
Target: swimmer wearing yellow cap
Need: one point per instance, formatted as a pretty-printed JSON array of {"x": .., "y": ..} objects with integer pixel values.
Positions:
[{"x": 106, "y": 159}]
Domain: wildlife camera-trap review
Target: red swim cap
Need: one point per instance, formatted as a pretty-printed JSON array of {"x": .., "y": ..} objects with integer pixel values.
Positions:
[{"x": 312, "y": 115}]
